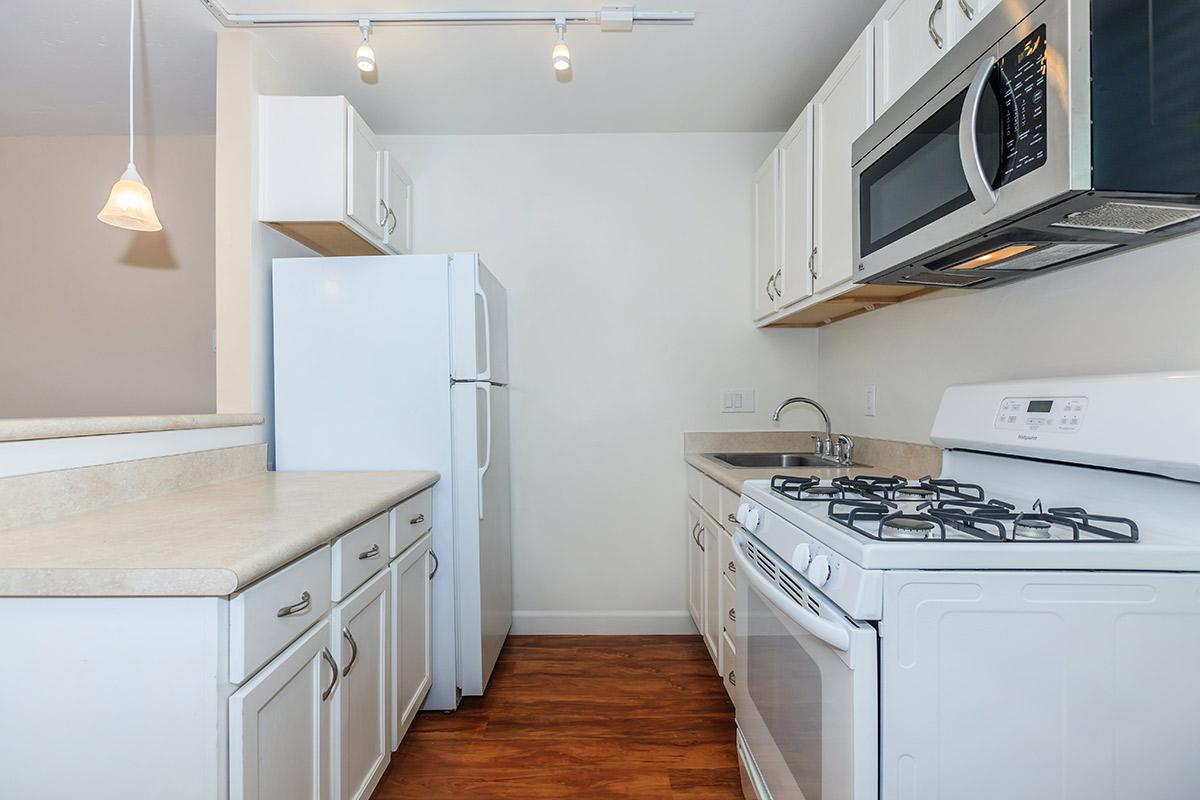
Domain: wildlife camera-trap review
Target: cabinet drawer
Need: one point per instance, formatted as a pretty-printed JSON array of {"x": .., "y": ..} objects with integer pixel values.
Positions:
[
  {"x": 710, "y": 497},
  {"x": 729, "y": 506},
  {"x": 271, "y": 614},
  {"x": 358, "y": 555},
  {"x": 725, "y": 553},
  {"x": 411, "y": 520},
  {"x": 728, "y": 673},
  {"x": 695, "y": 479},
  {"x": 728, "y": 609}
]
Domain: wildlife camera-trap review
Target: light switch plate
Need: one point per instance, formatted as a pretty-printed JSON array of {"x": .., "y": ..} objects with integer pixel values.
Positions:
[
  {"x": 737, "y": 401},
  {"x": 870, "y": 409}
]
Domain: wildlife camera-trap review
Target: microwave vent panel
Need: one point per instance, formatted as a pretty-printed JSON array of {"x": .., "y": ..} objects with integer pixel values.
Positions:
[
  {"x": 1128, "y": 217},
  {"x": 1051, "y": 254},
  {"x": 959, "y": 280}
]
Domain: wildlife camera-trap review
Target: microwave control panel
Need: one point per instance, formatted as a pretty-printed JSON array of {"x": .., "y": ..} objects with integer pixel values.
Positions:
[{"x": 1050, "y": 414}]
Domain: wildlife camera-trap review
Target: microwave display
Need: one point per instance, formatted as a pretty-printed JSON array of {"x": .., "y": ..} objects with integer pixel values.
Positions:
[{"x": 1022, "y": 76}]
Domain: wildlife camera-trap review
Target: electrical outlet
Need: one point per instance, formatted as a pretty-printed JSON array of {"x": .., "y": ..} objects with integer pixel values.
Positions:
[
  {"x": 737, "y": 401},
  {"x": 870, "y": 409}
]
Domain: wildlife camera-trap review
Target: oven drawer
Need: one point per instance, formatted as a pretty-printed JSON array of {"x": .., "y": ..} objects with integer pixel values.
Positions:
[
  {"x": 358, "y": 555},
  {"x": 411, "y": 520},
  {"x": 268, "y": 616}
]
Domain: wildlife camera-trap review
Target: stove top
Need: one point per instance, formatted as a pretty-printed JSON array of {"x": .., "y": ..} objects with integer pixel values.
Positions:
[{"x": 895, "y": 509}]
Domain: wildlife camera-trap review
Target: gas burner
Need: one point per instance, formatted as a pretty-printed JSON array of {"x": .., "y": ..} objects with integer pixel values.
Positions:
[
  {"x": 1031, "y": 528},
  {"x": 906, "y": 528},
  {"x": 820, "y": 493},
  {"x": 909, "y": 492}
]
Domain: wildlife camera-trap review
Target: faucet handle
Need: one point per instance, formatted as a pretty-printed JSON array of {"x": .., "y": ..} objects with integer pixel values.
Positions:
[{"x": 845, "y": 447}]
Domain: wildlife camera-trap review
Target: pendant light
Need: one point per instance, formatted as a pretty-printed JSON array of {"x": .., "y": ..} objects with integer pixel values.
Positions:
[
  {"x": 129, "y": 203},
  {"x": 561, "y": 55},
  {"x": 365, "y": 57}
]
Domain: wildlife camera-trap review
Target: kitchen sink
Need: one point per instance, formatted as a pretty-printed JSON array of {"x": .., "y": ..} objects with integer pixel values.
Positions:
[{"x": 762, "y": 460}]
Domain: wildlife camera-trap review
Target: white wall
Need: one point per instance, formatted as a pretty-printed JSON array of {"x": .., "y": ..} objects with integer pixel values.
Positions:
[
  {"x": 1134, "y": 312},
  {"x": 95, "y": 319},
  {"x": 627, "y": 263}
]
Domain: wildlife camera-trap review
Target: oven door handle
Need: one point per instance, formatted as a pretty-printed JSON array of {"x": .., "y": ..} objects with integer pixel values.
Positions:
[
  {"x": 968, "y": 139},
  {"x": 828, "y": 632}
]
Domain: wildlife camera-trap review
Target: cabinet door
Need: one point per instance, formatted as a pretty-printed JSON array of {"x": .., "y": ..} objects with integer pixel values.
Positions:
[
  {"x": 695, "y": 561},
  {"x": 910, "y": 36},
  {"x": 412, "y": 672},
  {"x": 709, "y": 532},
  {"x": 793, "y": 281},
  {"x": 279, "y": 725},
  {"x": 843, "y": 110},
  {"x": 361, "y": 734},
  {"x": 766, "y": 235},
  {"x": 398, "y": 192},
  {"x": 364, "y": 177}
]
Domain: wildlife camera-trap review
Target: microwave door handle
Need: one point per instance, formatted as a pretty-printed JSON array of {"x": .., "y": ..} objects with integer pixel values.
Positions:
[
  {"x": 830, "y": 633},
  {"x": 968, "y": 140}
]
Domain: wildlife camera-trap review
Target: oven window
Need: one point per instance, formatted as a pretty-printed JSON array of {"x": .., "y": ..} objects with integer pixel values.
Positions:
[
  {"x": 785, "y": 686},
  {"x": 921, "y": 178}
]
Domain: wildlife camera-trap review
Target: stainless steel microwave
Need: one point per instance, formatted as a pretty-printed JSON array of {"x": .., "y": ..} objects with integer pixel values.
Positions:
[{"x": 1054, "y": 132}]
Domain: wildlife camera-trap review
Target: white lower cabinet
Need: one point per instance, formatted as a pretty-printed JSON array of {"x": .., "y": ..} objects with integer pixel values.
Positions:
[
  {"x": 709, "y": 531},
  {"x": 411, "y": 579},
  {"x": 279, "y": 725},
  {"x": 361, "y": 733},
  {"x": 695, "y": 565},
  {"x": 709, "y": 561}
]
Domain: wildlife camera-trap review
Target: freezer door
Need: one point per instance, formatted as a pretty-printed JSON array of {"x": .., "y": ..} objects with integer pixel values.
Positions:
[
  {"x": 479, "y": 318},
  {"x": 483, "y": 529}
]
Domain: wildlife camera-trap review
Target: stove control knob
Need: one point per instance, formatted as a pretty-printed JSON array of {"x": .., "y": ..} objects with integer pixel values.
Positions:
[
  {"x": 741, "y": 513},
  {"x": 801, "y": 556},
  {"x": 818, "y": 571},
  {"x": 751, "y": 523}
]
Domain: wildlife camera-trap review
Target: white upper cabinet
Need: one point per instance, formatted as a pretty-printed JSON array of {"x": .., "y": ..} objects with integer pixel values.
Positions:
[
  {"x": 766, "y": 235},
  {"x": 326, "y": 181},
  {"x": 910, "y": 37},
  {"x": 793, "y": 282},
  {"x": 843, "y": 110}
]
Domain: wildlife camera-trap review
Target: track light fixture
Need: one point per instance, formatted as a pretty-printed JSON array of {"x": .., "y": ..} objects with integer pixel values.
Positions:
[
  {"x": 365, "y": 57},
  {"x": 561, "y": 54}
]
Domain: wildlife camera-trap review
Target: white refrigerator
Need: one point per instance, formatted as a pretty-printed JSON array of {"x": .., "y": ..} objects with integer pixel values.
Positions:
[{"x": 397, "y": 363}]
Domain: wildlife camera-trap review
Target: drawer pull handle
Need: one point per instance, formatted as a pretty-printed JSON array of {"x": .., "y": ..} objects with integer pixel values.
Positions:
[
  {"x": 732, "y": 678},
  {"x": 417, "y": 520},
  {"x": 732, "y": 518},
  {"x": 732, "y": 568},
  {"x": 732, "y": 615},
  {"x": 436, "y": 564},
  {"x": 349, "y": 637},
  {"x": 371, "y": 553},
  {"x": 328, "y": 656},
  {"x": 296, "y": 608},
  {"x": 703, "y": 530}
]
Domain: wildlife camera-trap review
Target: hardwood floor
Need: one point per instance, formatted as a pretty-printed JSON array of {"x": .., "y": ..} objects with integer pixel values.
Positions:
[{"x": 579, "y": 717}]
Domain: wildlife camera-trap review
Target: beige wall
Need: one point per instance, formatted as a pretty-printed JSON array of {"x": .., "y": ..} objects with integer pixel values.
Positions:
[
  {"x": 1129, "y": 313},
  {"x": 94, "y": 319},
  {"x": 627, "y": 263}
]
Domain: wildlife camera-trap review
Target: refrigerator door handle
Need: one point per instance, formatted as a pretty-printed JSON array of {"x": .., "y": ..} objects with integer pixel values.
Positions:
[
  {"x": 487, "y": 458},
  {"x": 486, "y": 375}
]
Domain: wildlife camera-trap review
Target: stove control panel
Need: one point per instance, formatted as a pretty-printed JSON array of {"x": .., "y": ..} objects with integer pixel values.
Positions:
[{"x": 1049, "y": 414}]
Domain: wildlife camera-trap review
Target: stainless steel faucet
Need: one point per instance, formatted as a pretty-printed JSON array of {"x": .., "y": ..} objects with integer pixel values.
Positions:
[{"x": 824, "y": 448}]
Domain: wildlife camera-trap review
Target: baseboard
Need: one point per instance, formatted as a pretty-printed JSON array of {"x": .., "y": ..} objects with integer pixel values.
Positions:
[{"x": 603, "y": 622}]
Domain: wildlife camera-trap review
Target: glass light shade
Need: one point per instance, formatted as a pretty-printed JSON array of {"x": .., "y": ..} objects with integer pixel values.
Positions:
[
  {"x": 130, "y": 205},
  {"x": 561, "y": 56},
  {"x": 365, "y": 57}
]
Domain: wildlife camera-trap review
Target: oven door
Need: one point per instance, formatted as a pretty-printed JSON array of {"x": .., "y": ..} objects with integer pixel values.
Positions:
[
  {"x": 807, "y": 687},
  {"x": 994, "y": 143}
]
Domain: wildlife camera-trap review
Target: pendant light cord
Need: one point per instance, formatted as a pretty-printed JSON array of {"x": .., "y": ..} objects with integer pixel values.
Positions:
[{"x": 132, "y": 9}]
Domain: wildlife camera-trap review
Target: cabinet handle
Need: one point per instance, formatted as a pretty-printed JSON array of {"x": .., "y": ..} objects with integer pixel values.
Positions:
[
  {"x": 732, "y": 679},
  {"x": 365, "y": 554},
  {"x": 933, "y": 34},
  {"x": 417, "y": 520},
  {"x": 778, "y": 282},
  {"x": 732, "y": 615},
  {"x": 770, "y": 284},
  {"x": 695, "y": 536},
  {"x": 382, "y": 220},
  {"x": 967, "y": 9},
  {"x": 296, "y": 608},
  {"x": 328, "y": 656},
  {"x": 436, "y": 563},
  {"x": 349, "y": 637},
  {"x": 732, "y": 518},
  {"x": 703, "y": 529},
  {"x": 392, "y": 216},
  {"x": 732, "y": 568}
]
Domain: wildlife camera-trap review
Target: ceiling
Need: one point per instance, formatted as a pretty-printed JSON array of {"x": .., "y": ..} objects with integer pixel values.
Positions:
[{"x": 743, "y": 66}]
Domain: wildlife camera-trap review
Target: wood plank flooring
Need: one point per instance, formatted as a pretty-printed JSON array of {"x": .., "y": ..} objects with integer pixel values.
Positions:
[{"x": 579, "y": 717}]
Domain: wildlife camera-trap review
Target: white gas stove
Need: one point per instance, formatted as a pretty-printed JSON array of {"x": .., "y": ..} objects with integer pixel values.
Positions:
[{"x": 1024, "y": 625}]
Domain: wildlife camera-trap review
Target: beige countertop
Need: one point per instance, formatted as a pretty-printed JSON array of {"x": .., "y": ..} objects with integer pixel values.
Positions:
[
  {"x": 31, "y": 428},
  {"x": 211, "y": 541},
  {"x": 876, "y": 456}
]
